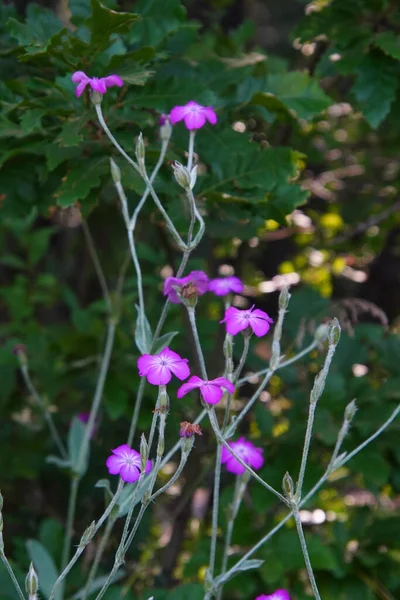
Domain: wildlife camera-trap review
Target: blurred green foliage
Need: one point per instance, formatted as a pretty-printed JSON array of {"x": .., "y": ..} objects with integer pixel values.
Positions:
[{"x": 286, "y": 136}]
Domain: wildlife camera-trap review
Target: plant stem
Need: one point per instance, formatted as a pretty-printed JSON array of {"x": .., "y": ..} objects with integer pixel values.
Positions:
[
  {"x": 83, "y": 452},
  {"x": 191, "y": 150},
  {"x": 232, "y": 428},
  {"x": 316, "y": 392},
  {"x": 46, "y": 413},
  {"x": 192, "y": 320},
  {"x": 97, "y": 265},
  {"x": 11, "y": 574},
  {"x": 99, "y": 554},
  {"x": 311, "y": 493},
  {"x": 242, "y": 361},
  {"x": 83, "y": 545},
  {"x": 304, "y": 549},
  {"x": 215, "y": 511},
  {"x": 283, "y": 364}
]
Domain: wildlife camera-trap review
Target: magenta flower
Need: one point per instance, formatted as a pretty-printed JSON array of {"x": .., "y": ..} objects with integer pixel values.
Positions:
[
  {"x": 222, "y": 286},
  {"x": 194, "y": 115},
  {"x": 194, "y": 284},
  {"x": 278, "y": 595},
  {"x": 249, "y": 454},
  {"x": 237, "y": 320},
  {"x": 158, "y": 367},
  {"x": 210, "y": 390},
  {"x": 125, "y": 462},
  {"x": 98, "y": 85}
]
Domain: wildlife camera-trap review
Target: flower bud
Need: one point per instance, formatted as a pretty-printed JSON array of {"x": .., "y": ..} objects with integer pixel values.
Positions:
[
  {"x": 288, "y": 486},
  {"x": 96, "y": 97},
  {"x": 284, "y": 298},
  {"x": 165, "y": 128},
  {"x": 115, "y": 171},
  {"x": 193, "y": 177},
  {"x": 144, "y": 452},
  {"x": 139, "y": 150},
  {"x": 187, "y": 444},
  {"x": 160, "y": 447},
  {"x": 228, "y": 346},
  {"x": 181, "y": 174},
  {"x": 88, "y": 534},
  {"x": 334, "y": 332},
  {"x": 350, "y": 411},
  {"x": 322, "y": 332},
  {"x": 32, "y": 581}
]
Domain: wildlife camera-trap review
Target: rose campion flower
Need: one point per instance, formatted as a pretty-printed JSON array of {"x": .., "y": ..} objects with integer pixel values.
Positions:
[
  {"x": 194, "y": 115},
  {"x": 125, "y": 462},
  {"x": 196, "y": 284},
  {"x": 222, "y": 286},
  {"x": 278, "y": 595},
  {"x": 237, "y": 319},
  {"x": 158, "y": 368},
  {"x": 210, "y": 390},
  {"x": 249, "y": 454},
  {"x": 97, "y": 84}
]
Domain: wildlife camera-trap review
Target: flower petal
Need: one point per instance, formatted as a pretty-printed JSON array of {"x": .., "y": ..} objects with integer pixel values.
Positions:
[
  {"x": 122, "y": 450},
  {"x": 114, "y": 464},
  {"x": 81, "y": 87},
  {"x": 159, "y": 375},
  {"x": 212, "y": 394},
  {"x": 193, "y": 383},
  {"x": 145, "y": 362},
  {"x": 209, "y": 114},
  {"x": 98, "y": 85},
  {"x": 225, "y": 383},
  {"x": 149, "y": 466},
  {"x": 79, "y": 76},
  {"x": 256, "y": 460},
  {"x": 180, "y": 368},
  {"x": 129, "y": 473},
  {"x": 259, "y": 326},
  {"x": 194, "y": 120},
  {"x": 112, "y": 80},
  {"x": 177, "y": 114},
  {"x": 234, "y": 466}
]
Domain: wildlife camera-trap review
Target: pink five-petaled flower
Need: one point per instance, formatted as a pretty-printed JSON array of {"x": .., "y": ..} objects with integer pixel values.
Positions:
[
  {"x": 222, "y": 286},
  {"x": 278, "y": 595},
  {"x": 249, "y": 454},
  {"x": 237, "y": 320},
  {"x": 97, "y": 84},
  {"x": 196, "y": 283},
  {"x": 158, "y": 367},
  {"x": 194, "y": 115},
  {"x": 125, "y": 462},
  {"x": 210, "y": 390}
]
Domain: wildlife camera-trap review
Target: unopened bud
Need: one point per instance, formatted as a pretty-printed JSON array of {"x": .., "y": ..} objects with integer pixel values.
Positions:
[
  {"x": 334, "y": 332},
  {"x": 160, "y": 447},
  {"x": 88, "y": 534},
  {"x": 115, "y": 171},
  {"x": 165, "y": 128},
  {"x": 139, "y": 150},
  {"x": 322, "y": 332},
  {"x": 288, "y": 486},
  {"x": 31, "y": 581},
  {"x": 187, "y": 444},
  {"x": 144, "y": 452},
  {"x": 96, "y": 97},
  {"x": 193, "y": 177},
  {"x": 181, "y": 174},
  {"x": 284, "y": 298},
  {"x": 350, "y": 411}
]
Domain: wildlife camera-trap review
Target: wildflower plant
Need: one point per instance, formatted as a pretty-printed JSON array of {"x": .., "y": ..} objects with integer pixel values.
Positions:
[{"x": 135, "y": 464}]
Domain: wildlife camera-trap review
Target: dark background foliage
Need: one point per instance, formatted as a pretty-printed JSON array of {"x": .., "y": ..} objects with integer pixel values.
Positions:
[{"x": 308, "y": 106}]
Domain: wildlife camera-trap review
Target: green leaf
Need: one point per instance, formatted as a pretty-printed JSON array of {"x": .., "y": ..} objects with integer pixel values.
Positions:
[
  {"x": 389, "y": 42},
  {"x": 75, "y": 438},
  {"x": 39, "y": 27},
  {"x": 294, "y": 92},
  {"x": 158, "y": 19},
  {"x": 104, "y": 22},
  {"x": 143, "y": 333},
  {"x": 44, "y": 566},
  {"x": 59, "y": 462},
  {"x": 376, "y": 87},
  {"x": 253, "y": 563},
  {"x": 31, "y": 120},
  {"x": 164, "y": 341},
  {"x": 129, "y": 495},
  {"x": 81, "y": 180}
]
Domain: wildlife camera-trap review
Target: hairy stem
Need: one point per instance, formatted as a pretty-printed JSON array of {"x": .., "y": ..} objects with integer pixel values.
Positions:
[
  {"x": 11, "y": 573},
  {"x": 304, "y": 549}
]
